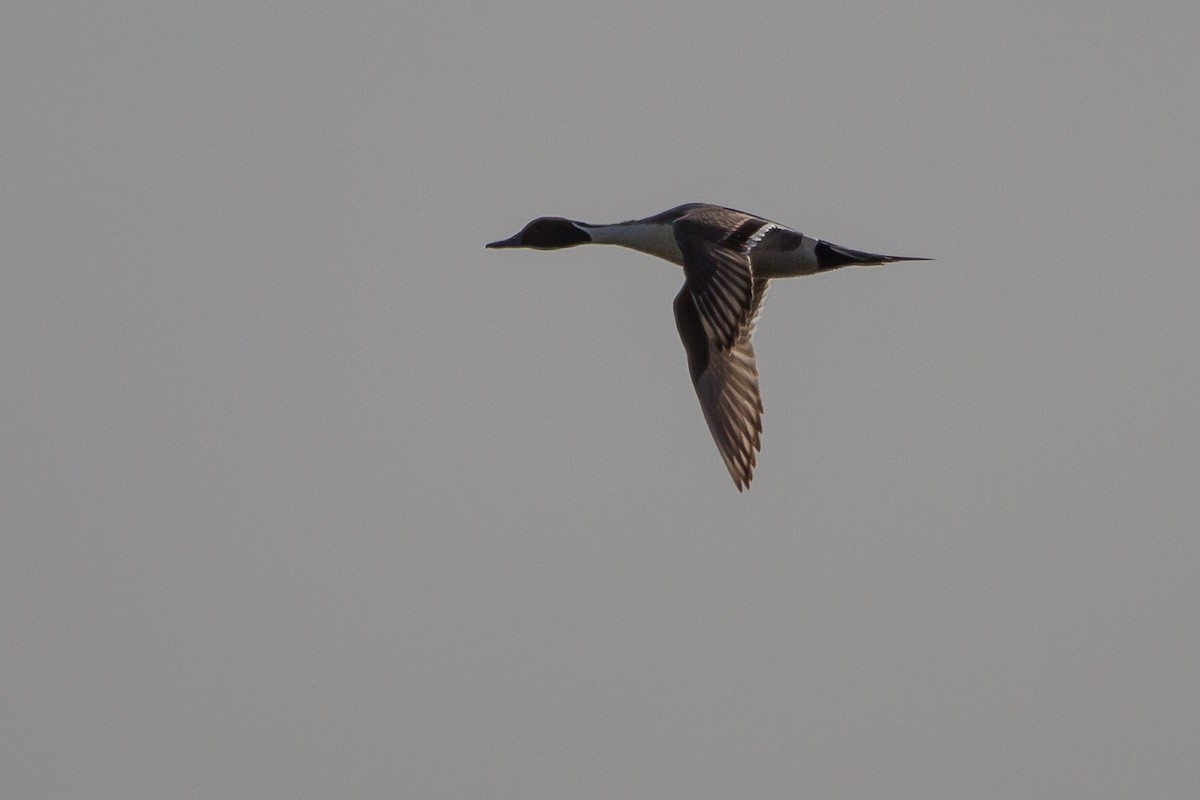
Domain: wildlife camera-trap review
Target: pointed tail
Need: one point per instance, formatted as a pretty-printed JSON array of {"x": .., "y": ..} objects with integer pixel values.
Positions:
[{"x": 832, "y": 256}]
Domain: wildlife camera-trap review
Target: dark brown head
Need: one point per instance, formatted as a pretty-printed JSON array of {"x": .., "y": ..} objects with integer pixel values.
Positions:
[{"x": 547, "y": 233}]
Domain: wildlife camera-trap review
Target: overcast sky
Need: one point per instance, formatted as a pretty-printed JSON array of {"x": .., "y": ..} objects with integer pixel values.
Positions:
[{"x": 306, "y": 494}]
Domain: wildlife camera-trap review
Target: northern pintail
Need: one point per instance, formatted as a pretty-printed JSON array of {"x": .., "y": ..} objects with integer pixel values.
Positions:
[{"x": 728, "y": 257}]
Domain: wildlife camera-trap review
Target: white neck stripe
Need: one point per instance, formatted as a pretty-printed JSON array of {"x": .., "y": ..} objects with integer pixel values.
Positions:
[{"x": 656, "y": 239}]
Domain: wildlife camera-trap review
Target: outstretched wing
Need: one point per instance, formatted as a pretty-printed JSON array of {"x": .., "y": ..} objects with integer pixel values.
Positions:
[
  {"x": 726, "y": 381},
  {"x": 715, "y": 244}
]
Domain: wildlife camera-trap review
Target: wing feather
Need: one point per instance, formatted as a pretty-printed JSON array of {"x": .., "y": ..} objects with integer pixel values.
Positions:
[
  {"x": 726, "y": 380},
  {"x": 716, "y": 244}
]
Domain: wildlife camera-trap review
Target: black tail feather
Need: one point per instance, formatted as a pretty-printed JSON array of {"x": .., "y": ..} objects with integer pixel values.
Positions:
[{"x": 832, "y": 256}]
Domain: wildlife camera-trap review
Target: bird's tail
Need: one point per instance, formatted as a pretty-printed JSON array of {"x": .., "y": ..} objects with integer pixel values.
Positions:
[{"x": 832, "y": 256}]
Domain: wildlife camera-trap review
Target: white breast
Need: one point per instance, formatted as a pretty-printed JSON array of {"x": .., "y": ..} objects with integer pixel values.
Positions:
[{"x": 653, "y": 239}]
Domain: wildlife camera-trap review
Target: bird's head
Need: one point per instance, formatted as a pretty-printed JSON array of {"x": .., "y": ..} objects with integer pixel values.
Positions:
[{"x": 547, "y": 233}]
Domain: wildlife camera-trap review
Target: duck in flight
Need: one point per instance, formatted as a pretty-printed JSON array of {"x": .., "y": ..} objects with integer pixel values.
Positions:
[{"x": 728, "y": 257}]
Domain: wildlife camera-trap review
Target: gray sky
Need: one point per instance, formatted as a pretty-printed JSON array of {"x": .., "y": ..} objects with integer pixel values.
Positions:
[{"x": 306, "y": 494}]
